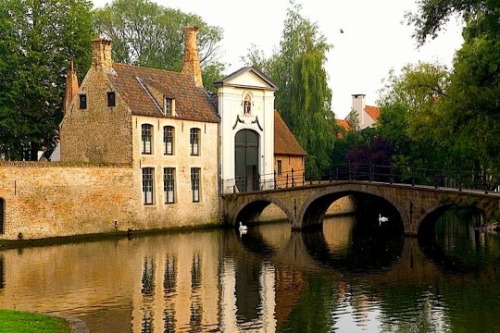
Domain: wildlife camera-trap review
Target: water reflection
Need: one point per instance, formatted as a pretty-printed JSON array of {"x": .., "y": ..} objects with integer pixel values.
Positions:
[
  {"x": 344, "y": 245},
  {"x": 341, "y": 279}
]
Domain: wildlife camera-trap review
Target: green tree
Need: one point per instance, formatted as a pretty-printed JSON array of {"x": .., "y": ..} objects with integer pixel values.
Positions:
[
  {"x": 37, "y": 39},
  {"x": 147, "y": 34},
  {"x": 409, "y": 106},
  {"x": 470, "y": 115},
  {"x": 303, "y": 98},
  {"x": 256, "y": 58}
]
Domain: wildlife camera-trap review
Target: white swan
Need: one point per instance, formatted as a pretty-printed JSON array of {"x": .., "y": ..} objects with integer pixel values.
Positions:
[
  {"x": 382, "y": 219},
  {"x": 243, "y": 228}
]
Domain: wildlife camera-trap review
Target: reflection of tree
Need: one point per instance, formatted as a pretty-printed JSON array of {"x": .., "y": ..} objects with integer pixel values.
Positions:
[
  {"x": 422, "y": 317},
  {"x": 313, "y": 312},
  {"x": 469, "y": 262}
]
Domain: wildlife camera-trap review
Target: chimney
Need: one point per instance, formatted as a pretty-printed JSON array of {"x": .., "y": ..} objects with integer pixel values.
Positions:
[
  {"x": 71, "y": 87},
  {"x": 358, "y": 105},
  {"x": 101, "y": 54},
  {"x": 191, "y": 59}
]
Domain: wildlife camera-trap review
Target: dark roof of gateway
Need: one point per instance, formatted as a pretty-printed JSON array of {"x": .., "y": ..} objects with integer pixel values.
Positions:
[
  {"x": 285, "y": 142},
  {"x": 143, "y": 90}
]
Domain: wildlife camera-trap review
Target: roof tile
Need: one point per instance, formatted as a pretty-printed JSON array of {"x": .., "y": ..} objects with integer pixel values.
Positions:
[
  {"x": 285, "y": 142},
  {"x": 138, "y": 86}
]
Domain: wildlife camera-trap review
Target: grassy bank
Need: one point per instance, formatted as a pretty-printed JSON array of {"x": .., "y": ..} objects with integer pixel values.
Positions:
[{"x": 27, "y": 322}]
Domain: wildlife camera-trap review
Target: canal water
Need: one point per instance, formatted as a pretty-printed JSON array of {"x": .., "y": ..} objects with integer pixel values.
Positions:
[{"x": 343, "y": 278}]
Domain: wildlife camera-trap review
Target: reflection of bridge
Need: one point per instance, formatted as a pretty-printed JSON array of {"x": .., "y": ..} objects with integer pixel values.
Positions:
[{"x": 305, "y": 206}]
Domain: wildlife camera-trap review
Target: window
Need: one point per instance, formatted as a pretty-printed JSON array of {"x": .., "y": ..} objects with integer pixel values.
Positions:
[
  {"x": 194, "y": 140},
  {"x": 147, "y": 185},
  {"x": 168, "y": 139},
  {"x": 169, "y": 184},
  {"x": 111, "y": 99},
  {"x": 195, "y": 184},
  {"x": 168, "y": 106},
  {"x": 280, "y": 168},
  {"x": 147, "y": 133},
  {"x": 83, "y": 101}
]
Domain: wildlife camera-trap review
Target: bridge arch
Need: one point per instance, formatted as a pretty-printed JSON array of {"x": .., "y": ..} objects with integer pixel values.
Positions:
[
  {"x": 428, "y": 221},
  {"x": 314, "y": 208},
  {"x": 251, "y": 210}
]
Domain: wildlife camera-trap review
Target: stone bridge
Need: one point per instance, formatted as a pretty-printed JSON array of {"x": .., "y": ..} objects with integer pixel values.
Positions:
[{"x": 305, "y": 206}]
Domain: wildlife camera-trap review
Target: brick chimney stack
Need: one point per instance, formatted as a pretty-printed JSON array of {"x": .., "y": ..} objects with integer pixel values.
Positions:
[
  {"x": 191, "y": 59},
  {"x": 71, "y": 87},
  {"x": 101, "y": 54}
]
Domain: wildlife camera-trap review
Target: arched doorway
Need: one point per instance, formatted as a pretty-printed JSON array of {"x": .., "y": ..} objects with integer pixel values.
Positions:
[{"x": 246, "y": 160}]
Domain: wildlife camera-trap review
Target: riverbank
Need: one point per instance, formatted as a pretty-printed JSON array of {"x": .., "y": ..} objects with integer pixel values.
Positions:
[{"x": 29, "y": 322}]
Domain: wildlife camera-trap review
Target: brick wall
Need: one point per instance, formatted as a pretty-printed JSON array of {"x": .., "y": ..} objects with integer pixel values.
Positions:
[
  {"x": 62, "y": 199},
  {"x": 289, "y": 163},
  {"x": 98, "y": 134},
  {"x": 184, "y": 212}
]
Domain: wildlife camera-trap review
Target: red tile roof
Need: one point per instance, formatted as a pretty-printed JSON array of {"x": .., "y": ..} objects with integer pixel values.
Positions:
[
  {"x": 373, "y": 112},
  {"x": 143, "y": 90},
  {"x": 284, "y": 141},
  {"x": 344, "y": 124}
]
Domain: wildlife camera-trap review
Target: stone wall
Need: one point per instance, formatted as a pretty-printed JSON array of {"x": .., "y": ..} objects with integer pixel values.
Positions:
[
  {"x": 42, "y": 200},
  {"x": 98, "y": 133}
]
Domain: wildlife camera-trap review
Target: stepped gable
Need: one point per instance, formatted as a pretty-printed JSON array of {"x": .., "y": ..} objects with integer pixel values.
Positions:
[
  {"x": 285, "y": 142},
  {"x": 139, "y": 87}
]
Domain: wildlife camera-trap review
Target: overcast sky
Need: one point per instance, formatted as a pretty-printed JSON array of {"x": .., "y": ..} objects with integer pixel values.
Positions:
[{"x": 374, "y": 39}]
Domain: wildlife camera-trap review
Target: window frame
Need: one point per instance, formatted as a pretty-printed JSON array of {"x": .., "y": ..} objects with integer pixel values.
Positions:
[
  {"x": 169, "y": 139},
  {"x": 147, "y": 137},
  {"x": 148, "y": 186},
  {"x": 169, "y": 185},
  {"x": 196, "y": 184},
  {"x": 168, "y": 104},
  {"x": 194, "y": 141}
]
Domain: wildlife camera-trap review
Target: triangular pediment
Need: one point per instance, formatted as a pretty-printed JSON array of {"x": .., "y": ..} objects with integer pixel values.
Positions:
[{"x": 247, "y": 77}]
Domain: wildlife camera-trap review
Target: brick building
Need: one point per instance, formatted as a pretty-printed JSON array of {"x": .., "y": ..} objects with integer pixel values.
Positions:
[{"x": 145, "y": 149}]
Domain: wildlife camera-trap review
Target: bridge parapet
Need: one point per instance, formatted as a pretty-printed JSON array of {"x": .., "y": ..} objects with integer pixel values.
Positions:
[{"x": 306, "y": 205}]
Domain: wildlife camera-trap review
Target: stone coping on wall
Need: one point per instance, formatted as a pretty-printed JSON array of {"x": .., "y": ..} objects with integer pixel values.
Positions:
[{"x": 44, "y": 164}]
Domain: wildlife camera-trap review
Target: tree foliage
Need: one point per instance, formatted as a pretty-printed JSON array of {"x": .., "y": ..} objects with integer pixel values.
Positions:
[
  {"x": 411, "y": 104},
  {"x": 303, "y": 99},
  {"x": 469, "y": 116},
  {"x": 37, "y": 39},
  {"x": 147, "y": 34}
]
